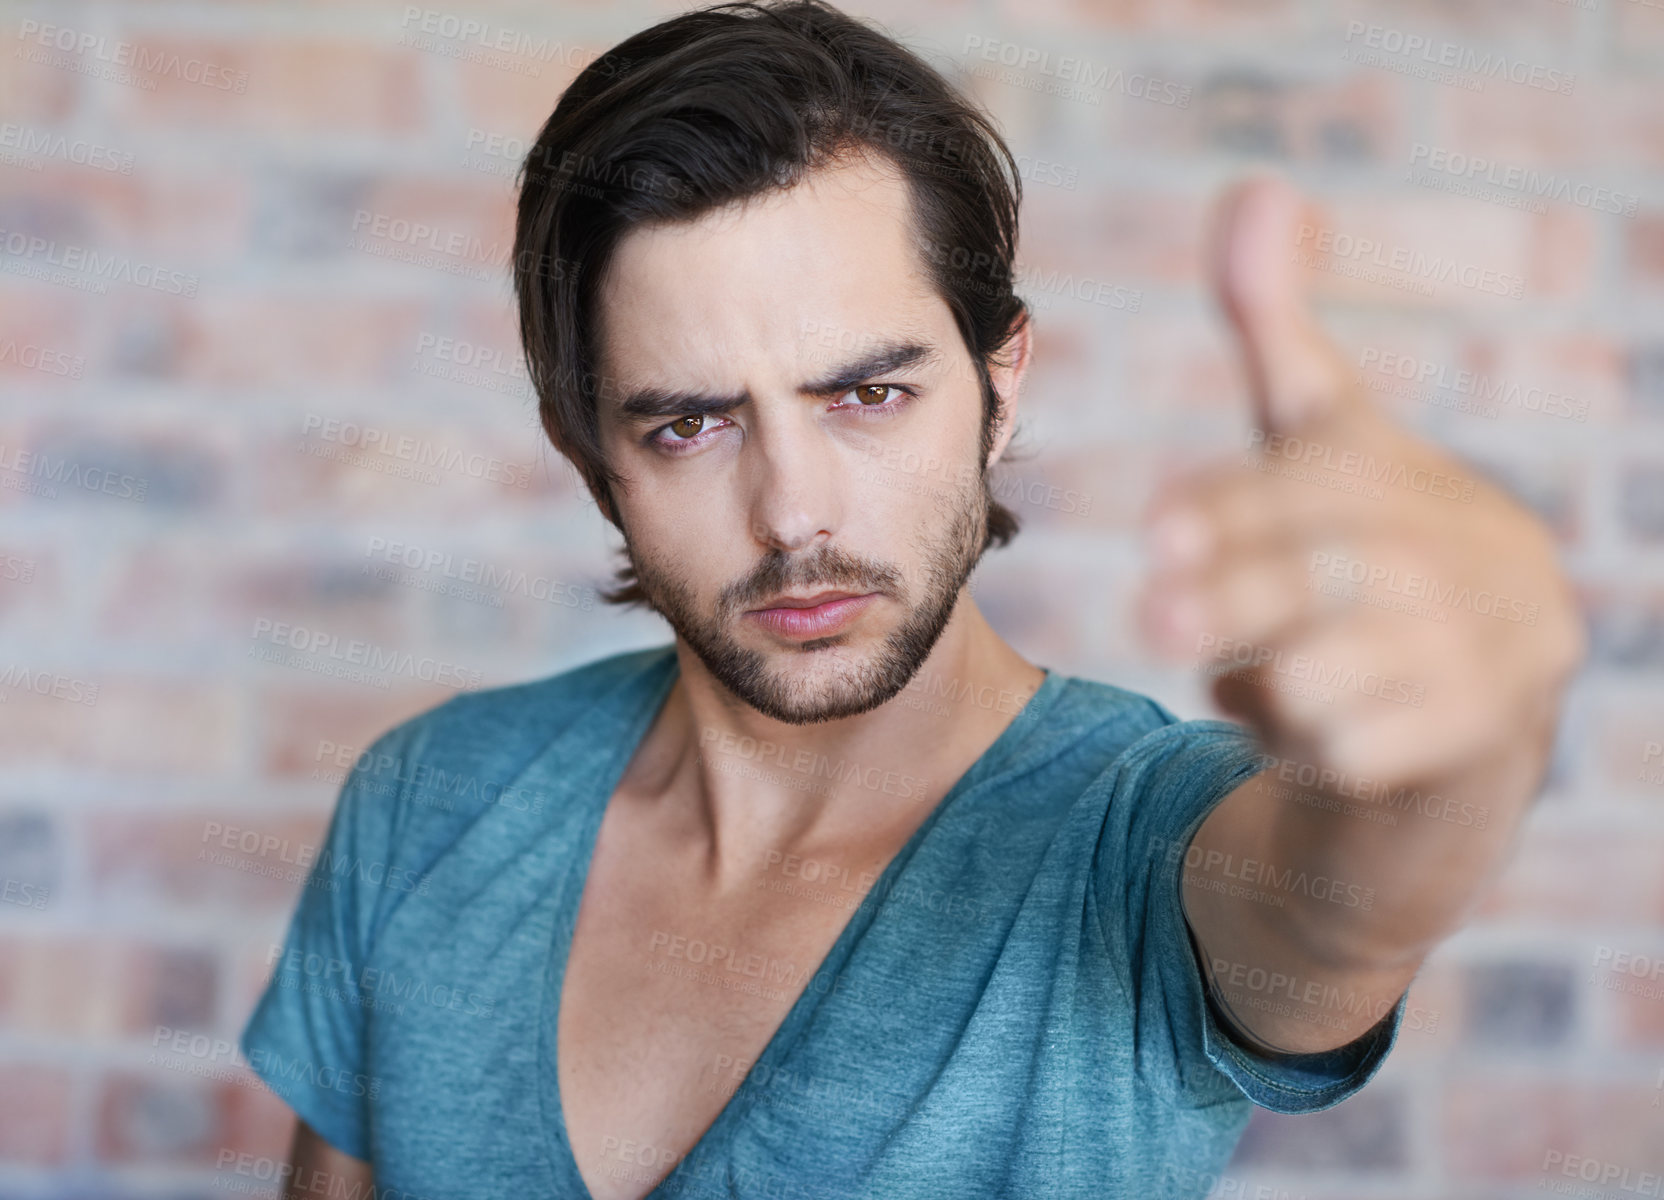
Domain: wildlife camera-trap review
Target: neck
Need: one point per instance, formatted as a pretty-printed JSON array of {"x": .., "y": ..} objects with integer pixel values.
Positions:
[{"x": 748, "y": 785}]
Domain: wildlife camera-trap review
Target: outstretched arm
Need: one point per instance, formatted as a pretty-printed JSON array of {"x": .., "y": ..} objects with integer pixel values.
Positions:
[{"x": 1397, "y": 632}]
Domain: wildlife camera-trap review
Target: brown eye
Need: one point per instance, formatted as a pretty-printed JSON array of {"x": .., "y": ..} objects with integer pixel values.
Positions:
[
  {"x": 687, "y": 427},
  {"x": 871, "y": 393}
]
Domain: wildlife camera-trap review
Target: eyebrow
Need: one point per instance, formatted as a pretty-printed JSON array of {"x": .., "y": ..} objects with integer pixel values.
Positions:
[{"x": 650, "y": 402}]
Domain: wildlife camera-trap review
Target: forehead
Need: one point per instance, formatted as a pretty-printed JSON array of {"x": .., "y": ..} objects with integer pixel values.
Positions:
[{"x": 778, "y": 282}]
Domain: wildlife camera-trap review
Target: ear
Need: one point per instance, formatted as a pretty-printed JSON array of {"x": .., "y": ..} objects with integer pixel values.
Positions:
[{"x": 1008, "y": 382}]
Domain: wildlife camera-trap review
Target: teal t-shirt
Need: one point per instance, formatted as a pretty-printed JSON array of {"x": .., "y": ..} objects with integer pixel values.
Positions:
[{"x": 1014, "y": 1010}]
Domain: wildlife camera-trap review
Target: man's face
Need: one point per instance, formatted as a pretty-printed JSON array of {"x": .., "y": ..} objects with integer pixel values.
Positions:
[{"x": 794, "y": 414}]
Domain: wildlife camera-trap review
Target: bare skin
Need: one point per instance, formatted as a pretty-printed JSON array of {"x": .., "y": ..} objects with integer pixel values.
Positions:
[{"x": 648, "y": 1058}]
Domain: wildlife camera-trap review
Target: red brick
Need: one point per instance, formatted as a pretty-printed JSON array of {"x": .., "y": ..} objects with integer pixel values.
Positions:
[
  {"x": 1501, "y": 1128},
  {"x": 294, "y": 85},
  {"x": 1644, "y": 251},
  {"x": 1263, "y": 17},
  {"x": 1181, "y": 371},
  {"x": 1637, "y": 1012},
  {"x": 295, "y": 722},
  {"x": 1307, "y": 120},
  {"x": 515, "y": 104},
  {"x": 35, "y": 1121},
  {"x": 137, "y": 723},
  {"x": 1624, "y": 731},
  {"x": 1562, "y": 877},
  {"x": 171, "y": 1117},
  {"x": 159, "y": 214},
  {"x": 1129, "y": 237},
  {"x": 1600, "y": 134},
  {"x": 307, "y": 340},
  {"x": 35, "y": 92},
  {"x": 70, "y": 986},
  {"x": 177, "y": 859},
  {"x": 288, "y": 478},
  {"x": 49, "y": 331}
]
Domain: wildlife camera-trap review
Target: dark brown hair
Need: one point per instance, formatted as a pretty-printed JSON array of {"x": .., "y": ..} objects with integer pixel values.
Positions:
[{"x": 728, "y": 102}]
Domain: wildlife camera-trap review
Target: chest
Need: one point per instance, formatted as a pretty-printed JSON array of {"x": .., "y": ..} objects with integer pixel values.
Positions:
[{"x": 671, "y": 993}]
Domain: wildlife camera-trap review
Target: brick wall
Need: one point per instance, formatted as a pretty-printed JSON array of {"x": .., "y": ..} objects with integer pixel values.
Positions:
[{"x": 205, "y": 305}]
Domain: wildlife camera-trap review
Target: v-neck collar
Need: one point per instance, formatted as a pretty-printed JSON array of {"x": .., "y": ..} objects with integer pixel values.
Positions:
[{"x": 630, "y": 711}]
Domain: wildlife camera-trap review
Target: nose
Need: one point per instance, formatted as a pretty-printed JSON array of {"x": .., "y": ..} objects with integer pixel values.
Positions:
[{"x": 797, "y": 498}]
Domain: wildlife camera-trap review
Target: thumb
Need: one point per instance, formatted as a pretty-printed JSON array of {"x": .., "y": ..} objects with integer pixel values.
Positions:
[{"x": 1294, "y": 372}]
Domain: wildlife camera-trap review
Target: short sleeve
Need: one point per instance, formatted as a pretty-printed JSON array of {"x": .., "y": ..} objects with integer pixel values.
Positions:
[
  {"x": 305, "y": 1038},
  {"x": 1162, "y": 788}
]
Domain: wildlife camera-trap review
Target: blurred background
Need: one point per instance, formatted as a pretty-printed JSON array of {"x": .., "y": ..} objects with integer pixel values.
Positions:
[{"x": 260, "y": 375}]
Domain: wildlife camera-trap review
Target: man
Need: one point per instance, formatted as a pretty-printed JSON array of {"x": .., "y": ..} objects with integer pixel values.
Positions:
[{"x": 839, "y": 895}]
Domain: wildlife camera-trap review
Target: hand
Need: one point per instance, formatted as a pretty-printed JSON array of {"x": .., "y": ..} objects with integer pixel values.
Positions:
[{"x": 1367, "y": 601}]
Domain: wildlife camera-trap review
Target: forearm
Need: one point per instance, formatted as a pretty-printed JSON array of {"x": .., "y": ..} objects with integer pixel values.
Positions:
[{"x": 1359, "y": 874}]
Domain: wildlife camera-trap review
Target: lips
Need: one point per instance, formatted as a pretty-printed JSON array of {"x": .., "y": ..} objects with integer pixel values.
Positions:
[
  {"x": 819, "y": 615},
  {"x": 805, "y": 602}
]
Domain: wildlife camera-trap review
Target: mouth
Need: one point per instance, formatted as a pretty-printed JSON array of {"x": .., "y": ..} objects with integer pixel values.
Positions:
[
  {"x": 811, "y": 601},
  {"x": 817, "y": 615}
]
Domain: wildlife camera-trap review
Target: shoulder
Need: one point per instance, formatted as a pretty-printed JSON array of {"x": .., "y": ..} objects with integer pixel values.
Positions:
[
  {"x": 461, "y": 756},
  {"x": 1141, "y": 728},
  {"x": 1119, "y": 744},
  {"x": 502, "y": 721},
  {"x": 1100, "y": 721}
]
